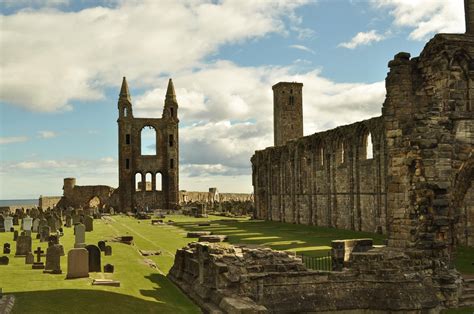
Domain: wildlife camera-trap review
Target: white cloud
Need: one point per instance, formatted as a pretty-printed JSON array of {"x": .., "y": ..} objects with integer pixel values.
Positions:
[
  {"x": 362, "y": 39},
  {"x": 426, "y": 16},
  {"x": 13, "y": 139},
  {"x": 47, "y": 134},
  {"x": 301, "y": 47},
  {"x": 54, "y": 57}
]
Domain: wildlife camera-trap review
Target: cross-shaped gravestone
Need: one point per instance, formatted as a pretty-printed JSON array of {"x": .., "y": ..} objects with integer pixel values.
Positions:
[
  {"x": 38, "y": 253},
  {"x": 38, "y": 264}
]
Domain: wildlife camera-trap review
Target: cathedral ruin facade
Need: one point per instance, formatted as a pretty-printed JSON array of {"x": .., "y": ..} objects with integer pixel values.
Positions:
[
  {"x": 135, "y": 167},
  {"x": 407, "y": 173}
]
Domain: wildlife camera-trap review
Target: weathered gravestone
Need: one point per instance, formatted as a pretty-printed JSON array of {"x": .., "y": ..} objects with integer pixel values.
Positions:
[
  {"x": 108, "y": 268},
  {"x": 27, "y": 223},
  {"x": 94, "y": 258},
  {"x": 77, "y": 263},
  {"x": 68, "y": 223},
  {"x": 53, "y": 259},
  {"x": 53, "y": 239},
  {"x": 89, "y": 223},
  {"x": 4, "y": 260},
  {"x": 101, "y": 245},
  {"x": 2, "y": 223},
  {"x": 44, "y": 233},
  {"x": 29, "y": 258},
  {"x": 23, "y": 245},
  {"x": 34, "y": 226},
  {"x": 6, "y": 248},
  {"x": 80, "y": 236},
  {"x": 15, "y": 235},
  {"x": 8, "y": 223},
  {"x": 16, "y": 220},
  {"x": 108, "y": 250},
  {"x": 52, "y": 223},
  {"x": 38, "y": 264}
]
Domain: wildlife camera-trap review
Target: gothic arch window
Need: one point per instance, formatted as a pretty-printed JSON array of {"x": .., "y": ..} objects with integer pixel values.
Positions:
[
  {"x": 369, "y": 147},
  {"x": 158, "y": 182},
  {"x": 148, "y": 179},
  {"x": 148, "y": 138},
  {"x": 138, "y": 182}
]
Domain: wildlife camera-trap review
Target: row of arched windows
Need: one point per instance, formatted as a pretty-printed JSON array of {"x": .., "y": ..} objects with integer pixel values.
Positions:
[
  {"x": 148, "y": 182},
  {"x": 341, "y": 152}
]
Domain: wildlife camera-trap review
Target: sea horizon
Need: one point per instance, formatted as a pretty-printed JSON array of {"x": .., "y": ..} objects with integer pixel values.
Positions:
[{"x": 14, "y": 202}]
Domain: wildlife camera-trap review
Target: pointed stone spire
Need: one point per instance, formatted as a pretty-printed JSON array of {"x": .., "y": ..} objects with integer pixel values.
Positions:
[
  {"x": 469, "y": 13},
  {"x": 124, "y": 92},
  {"x": 170, "y": 93}
]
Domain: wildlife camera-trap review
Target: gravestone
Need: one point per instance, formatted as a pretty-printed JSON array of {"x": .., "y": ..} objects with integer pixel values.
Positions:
[
  {"x": 16, "y": 220},
  {"x": 8, "y": 223},
  {"x": 38, "y": 264},
  {"x": 42, "y": 222},
  {"x": 89, "y": 223},
  {"x": 80, "y": 236},
  {"x": 77, "y": 263},
  {"x": 4, "y": 260},
  {"x": 108, "y": 250},
  {"x": 94, "y": 258},
  {"x": 23, "y": 245},
  {"x": 38, "y": 236},
  {"x": 27, "y": 223},
  {"x": 52, "y": 223},
  {"x": 44, "y": 233},
  {"x": 101, "y": 245},
  {"x": 15, "y": 235},
  {"x": 53, "y": 259},
  {"x": 68, "y": 223},
  {"x": 2, "y": 223},
  {"x": 52, "y": 240},
  {"x": 6, "y": 248},
  {"x": 35, "y": 225},
  {"x": 108, "y": 268},
  {"x": 29, "y": 258},
  {"x": 76, "y": 218}
]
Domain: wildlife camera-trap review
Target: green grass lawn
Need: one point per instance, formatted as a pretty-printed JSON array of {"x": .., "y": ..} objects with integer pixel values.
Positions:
[{"x": 145, "y": 289}]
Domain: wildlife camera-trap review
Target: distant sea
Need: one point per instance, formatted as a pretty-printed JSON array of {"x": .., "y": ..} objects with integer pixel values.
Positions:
[{"x": 19, "y": 202}]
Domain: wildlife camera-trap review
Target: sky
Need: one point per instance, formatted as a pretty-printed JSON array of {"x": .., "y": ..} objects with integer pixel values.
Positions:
[{"x": 62, "y": 63}]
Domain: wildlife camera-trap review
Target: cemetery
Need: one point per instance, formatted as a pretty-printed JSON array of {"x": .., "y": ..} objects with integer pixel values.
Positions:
[{"x": 76, "y": 266}]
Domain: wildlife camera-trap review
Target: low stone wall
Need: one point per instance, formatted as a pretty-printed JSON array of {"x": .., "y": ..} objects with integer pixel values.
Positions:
[{"x": 238, "y": 279}]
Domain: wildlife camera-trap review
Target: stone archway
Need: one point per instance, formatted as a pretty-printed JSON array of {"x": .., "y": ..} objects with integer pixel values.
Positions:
[{"x": 94, "y": 202}]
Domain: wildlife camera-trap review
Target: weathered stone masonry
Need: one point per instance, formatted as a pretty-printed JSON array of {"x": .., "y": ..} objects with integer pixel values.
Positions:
[{"x": 421, "y": 140}]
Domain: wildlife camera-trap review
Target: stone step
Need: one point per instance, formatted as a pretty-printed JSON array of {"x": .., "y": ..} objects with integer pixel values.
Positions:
[
  {"x": 466, "y": 304},
  {"x": 468, "y": 280},
  {"x": 467, "y": 290}
]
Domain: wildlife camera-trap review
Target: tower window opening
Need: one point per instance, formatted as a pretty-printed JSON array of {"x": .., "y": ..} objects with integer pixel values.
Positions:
[
  {"x": 171, "y": 163},
  {"x": 171, "y": 140},
  {"x": 172, "y": 112},
  {"x": 127, "y": 163},
  {"x": 369, "y": 147},
  {"x": 292, "y": 100},
  {"x": 127, "y": 139}
]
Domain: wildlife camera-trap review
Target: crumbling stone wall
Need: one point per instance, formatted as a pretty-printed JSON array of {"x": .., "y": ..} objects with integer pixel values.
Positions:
[
  {"x": 325, "y": 179},
  {"x": 87, "y": 196},
  {"x": 48, "y": 201},
  {"x": 235, "y": 279},
  {"x": 209, "y": 197}
]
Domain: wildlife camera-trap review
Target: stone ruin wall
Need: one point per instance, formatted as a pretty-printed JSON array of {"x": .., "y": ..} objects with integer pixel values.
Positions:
[
  {"x": 45, "y": 202},
  {"x": 205, "y": 197},
  {"x": 325, "y": 179},
  {"x": 99, "y": 196}
]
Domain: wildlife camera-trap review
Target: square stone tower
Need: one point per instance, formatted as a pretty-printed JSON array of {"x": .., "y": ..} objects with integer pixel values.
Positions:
[{"x": 287, "y": 111}]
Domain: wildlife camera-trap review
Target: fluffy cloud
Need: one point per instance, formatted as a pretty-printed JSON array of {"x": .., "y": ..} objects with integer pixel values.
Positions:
[
  {"x": 303, "y": 48},
  {"x": 363, "y": 39},
  {"x": 426, "y": 16},
  {"x": 55, "y": 57},
  {"x": 13, "y": 139}
]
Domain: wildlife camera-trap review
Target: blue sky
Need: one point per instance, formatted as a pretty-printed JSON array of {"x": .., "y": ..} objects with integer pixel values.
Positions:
[{"x": 62, "y": 64}]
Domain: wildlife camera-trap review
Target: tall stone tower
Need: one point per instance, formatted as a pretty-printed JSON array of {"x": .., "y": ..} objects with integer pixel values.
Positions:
[
  {"x": 469, "y": 12},
  {"x": 161, "y": 168},
  {"x": 287, "y": 111}
]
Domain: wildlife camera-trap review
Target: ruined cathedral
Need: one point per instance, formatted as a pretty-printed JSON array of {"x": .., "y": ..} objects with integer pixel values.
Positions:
[
  {"x": 407, "y": 173},
  {"x": 135, "y": 166}
]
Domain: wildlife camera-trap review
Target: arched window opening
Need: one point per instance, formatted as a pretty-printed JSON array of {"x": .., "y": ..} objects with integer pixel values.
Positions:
[
  {"x": 369, "y": 147},
  {"x": 138, "y": 182},
  {"x": 126, "y": 112},
  {"x": 171, "y": 163},
  {"x": 172, "y": 111},
  {"x": 158, "y": 182},
  {"x": 127, "y": 163},
  {"x": 127, "y": 139},
  {"x": 342, "y": 154},
  {"x": 148, "y": 178},
  {"x": 171, "y": 140},
  {"x": 321, "y": 156},
  {"x": 148, "y": 140}
]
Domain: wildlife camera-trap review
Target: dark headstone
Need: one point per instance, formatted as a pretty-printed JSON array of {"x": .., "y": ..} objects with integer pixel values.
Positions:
[
  {"x": 89, "y": 223},
  {"x": 15, "y": 235},
  {"x": 44, "y": 232},
  {"x": 12, "y": 229},
  {"x": 108, "y": 250},
  {"x": 4, "y": 260},
  {"x": 23, "y": 245},
  {"x": 38, "y": 236},
  {"x": 101, "y": 245},
  {"x": 38, "y": 264},
  {"x": 108, "y": 268},
  {"x": 53, "y": 259},
  {"x": 29, "y": 258},
  {"x": 94, "y": 258},
  {"x": 6, "y": 248}
]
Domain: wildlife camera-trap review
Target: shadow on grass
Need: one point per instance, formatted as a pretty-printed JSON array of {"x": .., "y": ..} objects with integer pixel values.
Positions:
[
  {"x": 96, "y": 301},
  {"x": 307, "y": 240}
]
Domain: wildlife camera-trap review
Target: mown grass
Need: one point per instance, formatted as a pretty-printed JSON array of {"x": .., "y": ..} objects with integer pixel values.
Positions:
[{"x": 145, "y": 289}]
